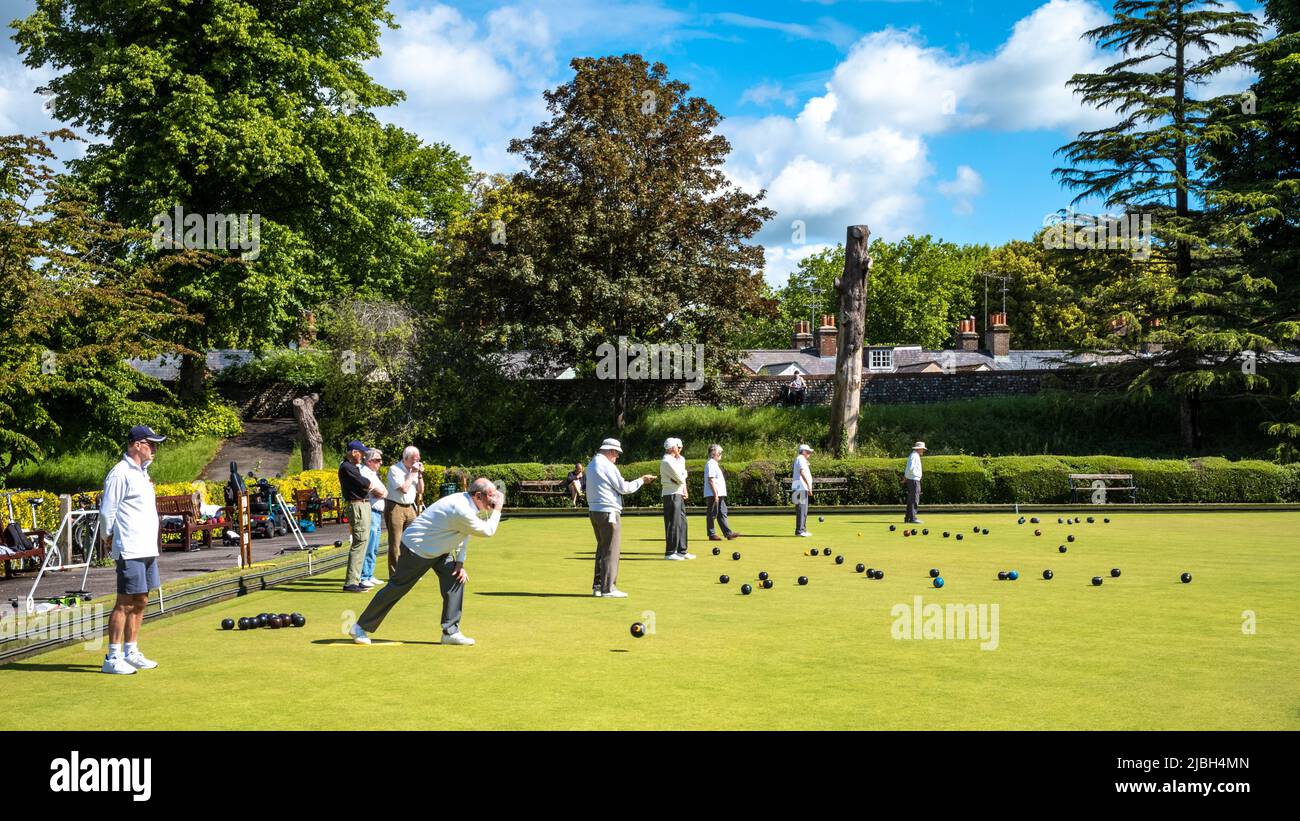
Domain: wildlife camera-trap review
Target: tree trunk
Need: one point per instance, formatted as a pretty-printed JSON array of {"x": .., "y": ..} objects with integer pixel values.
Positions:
[
  {"x": 1189, "y": 419},
  {"x": 852, "y": 288},
  {"x": 620, "y": 404},
  {"x": 189, "y": 385},
  {"x": 304, "y": 413}
]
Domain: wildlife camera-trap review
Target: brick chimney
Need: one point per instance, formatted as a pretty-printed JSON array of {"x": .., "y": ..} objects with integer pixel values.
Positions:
[
  {"x": 802, "y": 335},
  {"x": 997, "y": 335},
  {"x": 967, "y": 338},
  {"x": 1154, "y": 347},
  {"x": 827, "y": 341}
]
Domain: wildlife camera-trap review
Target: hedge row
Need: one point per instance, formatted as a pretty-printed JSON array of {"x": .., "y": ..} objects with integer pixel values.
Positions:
[{"x": 947, "y": 480}]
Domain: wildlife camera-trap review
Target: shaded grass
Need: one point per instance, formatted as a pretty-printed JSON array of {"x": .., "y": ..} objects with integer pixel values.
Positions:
[
  {"x": 1141, "y": 651},
  {"x": 76, "y": 472}
]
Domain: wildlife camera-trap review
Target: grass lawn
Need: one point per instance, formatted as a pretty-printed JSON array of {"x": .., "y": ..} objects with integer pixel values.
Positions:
[
  {"x": 76, "y": 472},
  {"x": 1142, "y": 651}
]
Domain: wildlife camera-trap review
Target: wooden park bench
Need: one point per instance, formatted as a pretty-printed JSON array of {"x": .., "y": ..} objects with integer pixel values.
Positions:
[
  {"x": 38, "y": 552},
  {"x": 543, "y": 487},
  {"x": 1091, "y": 483},
  {"x": 821, "y": 484},
  {"x": 310, "y": 505},
  {"x": 188, "y": 507}
]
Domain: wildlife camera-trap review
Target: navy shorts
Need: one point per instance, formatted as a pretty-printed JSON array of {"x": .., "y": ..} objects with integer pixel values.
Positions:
[{"x": 137, "y": 576}]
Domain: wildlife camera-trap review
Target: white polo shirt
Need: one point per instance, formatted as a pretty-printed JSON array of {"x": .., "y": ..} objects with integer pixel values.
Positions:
[
  {"x": 396, "y": 478},
  {"x": 712, "y": 470},
  {"x": 446, "y": 525},
  {"x": 672, "y": 475},
  {"x": 913, "y": 470},
  {"x": 797, "y": 474},
  {"x": 128, "y": 511},
  {"x": 376, "y": 503}
]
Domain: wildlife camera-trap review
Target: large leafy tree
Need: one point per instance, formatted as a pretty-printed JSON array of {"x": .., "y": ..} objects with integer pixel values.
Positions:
[
  {"x": 623, "y": 226},
  {"x": 240, "y": 107},
  {"x": 1147, "y": 161},
  {"x": 73, "y": 306},
  {"x": 1254, "y": 163}
]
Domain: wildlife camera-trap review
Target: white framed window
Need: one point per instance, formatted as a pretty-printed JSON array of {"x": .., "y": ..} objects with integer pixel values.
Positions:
[{"x": 880, "y": 359}]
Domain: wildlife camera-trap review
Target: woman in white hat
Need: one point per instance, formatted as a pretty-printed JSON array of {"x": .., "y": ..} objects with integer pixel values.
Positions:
[
  {"x": 672, "y": 474},
  {"x": 912, "y": 482}
]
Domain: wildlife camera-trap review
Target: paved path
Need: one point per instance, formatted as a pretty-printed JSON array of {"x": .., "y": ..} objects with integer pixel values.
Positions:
[
  {"x": 269, "y": 441},
  {"x": 173, "y": 565}
]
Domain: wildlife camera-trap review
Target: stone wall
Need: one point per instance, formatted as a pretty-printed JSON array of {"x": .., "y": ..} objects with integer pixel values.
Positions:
[{"x": 757, "y": 391}]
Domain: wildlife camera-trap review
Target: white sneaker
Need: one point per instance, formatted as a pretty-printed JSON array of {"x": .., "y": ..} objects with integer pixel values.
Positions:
[
  {"x": 689, "y": 556},
  {"x": 675, "y": 557},
  {"x": 805, "y": 534},
  {"x": 595, "y": 591},
  {"x": 369, "y": 583},
  {"x": 615, "y": 593},
  {"x": 359, "y": 635},
  {"x": 457, "y": 638},
  {"x": 139, "y": 662},
  {"x": 117, "y": 666}
]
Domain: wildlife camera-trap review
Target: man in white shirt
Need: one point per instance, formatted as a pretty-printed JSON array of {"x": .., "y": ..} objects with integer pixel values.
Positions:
[
  {"x": 128, "y": 525},
  {"x": 715, "y": 496},
  {"x": 801, "y": 490},
  {"x": 405, "y": 490},
  {"x": 370, "y": 470},
  {"x": 798, "y": 389},
  {"x": 438, "y": 539},
  {"x": 672, "y": 474},
  {"x": 606, "y": 488},
  {"x": 912, "y": 481}
]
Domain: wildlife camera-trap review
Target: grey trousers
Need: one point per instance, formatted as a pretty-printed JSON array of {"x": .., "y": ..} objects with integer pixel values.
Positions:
[
  {"x": 359, "y": 526},
  {"x": 718, "y": 513},
  {"x": 913, "y": 498},
  {"x": 411, "y": 567},
  {"x": 800, "y": 499},
  {"x": 674, "y": 525},
  {"x": 608, "y": 540}
]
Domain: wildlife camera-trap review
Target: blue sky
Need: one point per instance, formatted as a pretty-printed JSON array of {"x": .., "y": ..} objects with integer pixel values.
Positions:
[{"x": 913, "y": 116}]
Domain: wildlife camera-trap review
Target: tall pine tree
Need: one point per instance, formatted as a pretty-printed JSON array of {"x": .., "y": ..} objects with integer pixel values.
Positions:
[{"x": 1148, "y": 162}]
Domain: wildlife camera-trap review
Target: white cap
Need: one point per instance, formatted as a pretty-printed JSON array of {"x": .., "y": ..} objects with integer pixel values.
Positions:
[
  {"x": 611, "y": 444},
  {"x": 808, "y": 448},
  {"x": 918, "y": 446},
  {"x": 672, "y": 442}
]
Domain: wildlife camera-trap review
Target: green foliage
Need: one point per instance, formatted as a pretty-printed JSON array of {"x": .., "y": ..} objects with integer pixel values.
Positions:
[
  {"x": 84, "y": 471},
  {"x": 249, "y": 108},
  {"x": 623, "y": 226},
  {"x": 73, "y": 305},
  {"x": 300, "y": 368}
]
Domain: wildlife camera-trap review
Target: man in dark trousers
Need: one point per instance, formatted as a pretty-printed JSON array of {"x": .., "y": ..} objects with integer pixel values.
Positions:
[
  {"x": 356, "y": 494},
  {"x": 912, "y": 481}
]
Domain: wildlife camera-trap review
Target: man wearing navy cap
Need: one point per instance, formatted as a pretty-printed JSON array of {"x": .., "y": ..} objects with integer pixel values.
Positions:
[
  {"x": 357, "y": 490},
  {"x": 128, "y": 526}
]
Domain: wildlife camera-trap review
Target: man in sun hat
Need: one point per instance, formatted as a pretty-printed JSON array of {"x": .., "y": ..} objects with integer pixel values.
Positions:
[
  {"x": 606, "y": 488},
  {"x": 912, "y": 481},
  {"x": 128, "y": 525},
  {"x": 801, "y": 490}
]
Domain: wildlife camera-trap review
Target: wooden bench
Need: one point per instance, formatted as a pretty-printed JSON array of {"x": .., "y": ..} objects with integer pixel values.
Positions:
[
  {"x": 543, "y": 487},
  {"x": 1086, "y": 483},
  {"x": 188, "y": 507},
  {"x": 37, "y": 553},
  {"x": 821, "y": 484},
  {"x": 310, "y": 505}
]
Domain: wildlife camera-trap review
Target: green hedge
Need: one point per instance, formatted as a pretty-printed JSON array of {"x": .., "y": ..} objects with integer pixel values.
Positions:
[{"x": 948, "y": 480}]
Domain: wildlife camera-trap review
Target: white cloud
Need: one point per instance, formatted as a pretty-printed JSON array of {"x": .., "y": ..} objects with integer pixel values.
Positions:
[
  {"x": 767, "y": 92},
  {"x": 962, "y": 188}
]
